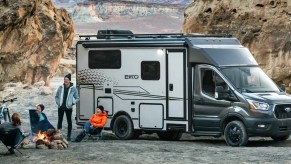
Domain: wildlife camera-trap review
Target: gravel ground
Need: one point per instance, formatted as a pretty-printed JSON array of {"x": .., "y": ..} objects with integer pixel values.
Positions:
[{"x": 146, "y": 149}]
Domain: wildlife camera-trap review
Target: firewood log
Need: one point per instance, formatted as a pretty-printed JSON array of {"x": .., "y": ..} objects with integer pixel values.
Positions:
[
  {"x": 58, "y": 141},
  {"x": 65, "y": 141},
  {"x": 53, "y": 146},
  {"x": 51, "y": 132},
  {"x": 39, "y": 142},
  {"x": 58, "y": 136},
  {"x": 29, "y": 146},
  {"x": 60, "y": 147},
  {"x": 47, "y": 143},
  {"x": 41, "y": 147},
  {"x": 64, "y": 145}
]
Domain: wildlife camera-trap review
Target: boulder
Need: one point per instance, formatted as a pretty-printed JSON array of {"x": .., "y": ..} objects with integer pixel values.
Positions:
[{"x": 34, "y": 36}]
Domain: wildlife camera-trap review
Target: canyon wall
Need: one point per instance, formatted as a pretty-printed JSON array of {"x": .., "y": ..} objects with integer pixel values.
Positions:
[
  {"x": 34, "y": 36},
  {"x": 264, "y": 26},
  {"x": 96, "y": 11}
]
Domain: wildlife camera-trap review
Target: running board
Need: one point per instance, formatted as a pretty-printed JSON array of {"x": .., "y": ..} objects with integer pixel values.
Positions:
[{"x": 206, "y": 133}]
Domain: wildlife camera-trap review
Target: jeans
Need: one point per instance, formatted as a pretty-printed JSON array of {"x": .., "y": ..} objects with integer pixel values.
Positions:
[
  {"x": 69, "y": 119},
  {"x": 87, "y": 129}
]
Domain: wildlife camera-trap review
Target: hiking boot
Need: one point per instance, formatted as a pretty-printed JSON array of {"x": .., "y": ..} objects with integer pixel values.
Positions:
[
  {"x": 11, "y": 151},
  {"x": 68, "y": 138},
  {"x": 75, "y": 140}
]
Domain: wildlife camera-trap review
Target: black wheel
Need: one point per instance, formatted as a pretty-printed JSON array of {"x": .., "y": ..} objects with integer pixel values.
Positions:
[
  {"x": 170, "y": 135},
  {"x": 235, "y": 134},
  {"x": 123, "y": 127},
  {"x": 280, "y": 138}
]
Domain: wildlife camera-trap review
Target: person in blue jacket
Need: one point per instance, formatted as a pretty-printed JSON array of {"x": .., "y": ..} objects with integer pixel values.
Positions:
[
  {"x": 43, "y": 124},
  {"x": 66, "y": 97}
]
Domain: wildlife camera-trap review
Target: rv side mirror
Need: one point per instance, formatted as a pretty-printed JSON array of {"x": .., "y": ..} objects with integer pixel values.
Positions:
[
  {"x": 282, "y": 87},
  {"x": 222, "y": 93},
  {"x": 218, "y": 92}
]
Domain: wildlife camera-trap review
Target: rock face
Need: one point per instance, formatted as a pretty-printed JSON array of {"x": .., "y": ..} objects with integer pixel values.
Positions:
[
  {"x": 147, "y": 1},
  {"x": 34, "y": 35},
  {"x": 98, "y": 11},
  {"x": 264, "y": 26}
]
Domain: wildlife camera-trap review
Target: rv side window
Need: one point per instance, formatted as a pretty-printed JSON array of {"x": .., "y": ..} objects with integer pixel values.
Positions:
[
  {"x": 105, "y": 59},
  {"x": 208, "y": 86},
  {"x": 150, "y": 70}
]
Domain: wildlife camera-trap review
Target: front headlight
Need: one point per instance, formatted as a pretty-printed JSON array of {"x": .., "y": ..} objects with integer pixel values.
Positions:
[{"x": 255, "y": 105}]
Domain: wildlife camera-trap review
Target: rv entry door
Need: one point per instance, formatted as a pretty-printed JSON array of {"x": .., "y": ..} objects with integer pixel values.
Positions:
[{"x": 176, "y": 84}]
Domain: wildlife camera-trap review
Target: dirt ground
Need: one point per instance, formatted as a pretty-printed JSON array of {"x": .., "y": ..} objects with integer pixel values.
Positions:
[
  {"x": 146, "y": 149},
  {"x": 149, "y": 149}
]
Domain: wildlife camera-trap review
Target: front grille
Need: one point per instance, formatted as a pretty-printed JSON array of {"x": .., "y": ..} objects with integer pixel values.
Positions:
[{"x": 282, "y": 111}]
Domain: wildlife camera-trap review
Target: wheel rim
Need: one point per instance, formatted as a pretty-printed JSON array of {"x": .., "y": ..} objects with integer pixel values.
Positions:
[
  {"x": 122, "y": 128},
  {"x": 235, "y": 134}
]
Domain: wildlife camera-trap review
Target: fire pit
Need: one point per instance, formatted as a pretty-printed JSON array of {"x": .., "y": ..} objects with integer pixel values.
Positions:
[{"x": 52, "y": 139}]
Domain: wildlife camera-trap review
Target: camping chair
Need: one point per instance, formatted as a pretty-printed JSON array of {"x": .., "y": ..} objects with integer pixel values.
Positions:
[
  {"x": 94, "y": 134},
  {"x": 11, "y": 138},
  {"x": 34, "y": 118}
]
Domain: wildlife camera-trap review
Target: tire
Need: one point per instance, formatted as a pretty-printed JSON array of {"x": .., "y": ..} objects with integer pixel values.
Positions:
[
  {"x": 235, "y": 134},
  {"x": 170, "y": 135},
  {"x": 280, "y": 138},
  {"x": 123, "y": 127}
]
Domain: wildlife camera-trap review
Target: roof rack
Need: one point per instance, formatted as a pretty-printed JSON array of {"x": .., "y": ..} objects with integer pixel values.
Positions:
[
  {"x": 130, "y": 36},
  {"x": 227, "y": 35},
  {"x": 126, "y": 34}
]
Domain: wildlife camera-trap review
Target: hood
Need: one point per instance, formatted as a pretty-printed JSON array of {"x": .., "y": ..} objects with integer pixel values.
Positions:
[{"x": 270, "y": 98}]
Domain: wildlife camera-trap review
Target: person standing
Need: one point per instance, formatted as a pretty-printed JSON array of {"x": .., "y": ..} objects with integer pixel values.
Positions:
[{"x": 66, "y": 97}]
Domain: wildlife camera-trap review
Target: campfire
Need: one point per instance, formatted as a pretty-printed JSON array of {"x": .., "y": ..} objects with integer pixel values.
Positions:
[
  {"x": 41, "y": 136},
  {"x": 52, "y": 139}
]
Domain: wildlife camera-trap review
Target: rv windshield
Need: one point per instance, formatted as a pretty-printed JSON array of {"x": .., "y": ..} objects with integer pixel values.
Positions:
[{"x": 250, "y": 79}]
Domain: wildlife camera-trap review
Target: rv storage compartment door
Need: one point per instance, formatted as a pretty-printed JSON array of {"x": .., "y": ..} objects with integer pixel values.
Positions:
[
  {"x": 151, "y": 116},
  {"x": 86, "y": 101}
]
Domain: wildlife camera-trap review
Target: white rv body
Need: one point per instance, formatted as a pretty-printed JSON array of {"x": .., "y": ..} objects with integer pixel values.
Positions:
[{"x": 145, "y": 101}]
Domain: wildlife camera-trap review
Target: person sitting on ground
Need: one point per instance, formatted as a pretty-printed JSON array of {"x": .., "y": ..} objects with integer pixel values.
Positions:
[
  {"x": 97, "y": 120},
  {"x": 43, "y": 124}
]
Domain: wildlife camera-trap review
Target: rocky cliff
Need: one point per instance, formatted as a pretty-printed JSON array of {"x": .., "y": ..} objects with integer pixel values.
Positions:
[
  {"x": 264, "y": 26},
  {"x": 34, "y": 35},
  {"x": 146, "y": 1},
  {"x": 135, "y": 9},
  {"x": 97, "y": 11}
]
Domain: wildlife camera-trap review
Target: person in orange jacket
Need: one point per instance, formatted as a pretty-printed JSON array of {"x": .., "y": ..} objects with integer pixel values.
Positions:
[{"x": 96, "y": 122}]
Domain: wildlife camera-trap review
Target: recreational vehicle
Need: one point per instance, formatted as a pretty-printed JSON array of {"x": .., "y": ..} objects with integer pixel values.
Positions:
[{"x": 169, "y": 84}]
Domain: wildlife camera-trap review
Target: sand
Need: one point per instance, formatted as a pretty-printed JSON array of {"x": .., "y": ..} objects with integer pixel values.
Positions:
[{"x": 146, "y": 149}]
